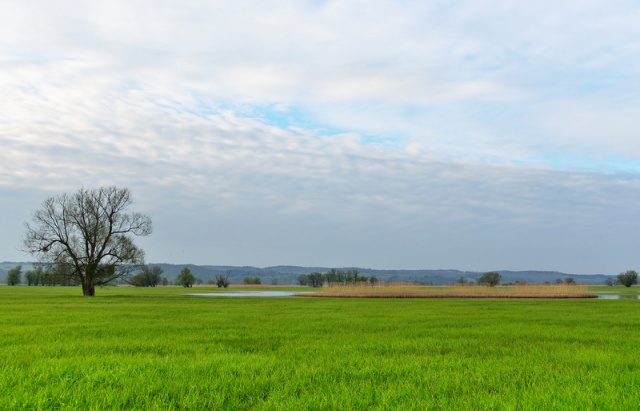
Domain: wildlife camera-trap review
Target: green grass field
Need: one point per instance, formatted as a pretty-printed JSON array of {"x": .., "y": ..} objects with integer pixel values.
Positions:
[{"x": 153, "y": 349}]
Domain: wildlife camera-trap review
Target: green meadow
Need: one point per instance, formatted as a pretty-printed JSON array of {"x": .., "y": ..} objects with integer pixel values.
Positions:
[{"x": 156, "y": 349}]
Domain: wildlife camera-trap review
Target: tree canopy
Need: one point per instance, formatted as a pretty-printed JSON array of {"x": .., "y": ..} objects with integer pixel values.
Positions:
[
  {"x": 628, "y": 278},
  {"x": 185, "y": 278},
  {"x": 89, "y": 235},
  {"x": 491, "y": 278},
  {"x": 14, "y": 275},
  {"x": 147, "y": 277}
]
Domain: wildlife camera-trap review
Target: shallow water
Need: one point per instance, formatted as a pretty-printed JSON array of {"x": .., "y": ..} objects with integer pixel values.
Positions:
[{"x": 618, "y": 297}]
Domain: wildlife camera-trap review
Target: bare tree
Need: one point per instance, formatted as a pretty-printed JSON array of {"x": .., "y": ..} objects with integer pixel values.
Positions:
[{"x": 90, "y": 234}]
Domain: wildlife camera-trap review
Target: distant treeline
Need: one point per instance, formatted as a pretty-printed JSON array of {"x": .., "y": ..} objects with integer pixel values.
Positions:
[
  {"x": 335, "y": 276},
  {"x": 289, "y": 274}
]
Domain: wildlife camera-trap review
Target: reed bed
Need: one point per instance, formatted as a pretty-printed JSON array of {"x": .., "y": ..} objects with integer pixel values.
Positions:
[{"x": 408, "y": 290}]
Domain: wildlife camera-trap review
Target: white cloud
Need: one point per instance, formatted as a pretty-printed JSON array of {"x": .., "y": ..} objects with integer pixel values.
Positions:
[{"x": 384, "y": 124}]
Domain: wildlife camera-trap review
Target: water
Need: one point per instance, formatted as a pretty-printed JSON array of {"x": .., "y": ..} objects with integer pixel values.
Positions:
[{"x": 618, "y": 297}]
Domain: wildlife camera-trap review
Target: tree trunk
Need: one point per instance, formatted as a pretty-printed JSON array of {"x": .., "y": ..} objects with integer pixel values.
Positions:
[{"x": 88, "y": 289}]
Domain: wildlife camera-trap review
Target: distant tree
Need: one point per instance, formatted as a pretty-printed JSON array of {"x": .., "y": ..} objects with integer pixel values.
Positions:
[
  {"x": 222, "y": 280},
  {"x": 14, "y": 275},
  {"x": 315, "y": 280},
  {"x": 165, "y": 281},
  {"x": 559, "y": 281},
  {"x": 34, "y": 276},
  {"x": 344, "y": 277},
  {"x": 199, "y": 281},
  {"x": 373, "y": 280},
  {"x": 302, "y": 279},
  {"x": 628, "y": 278},
  {"x": 332, "y": 276},
  {"x": 90, "y": 233},
  {"x": 491, "y": 279},
  {"x": 609, "y": 282},
  {"x": 353, "y": 276},
  {"x": 569, "y": 281},
  {"x": 59, "y": 275},
  {"x": 138, "y": 280},
  {"x": 185, "y": 278},
  {"x": 148, "y": 277},
  {"x": 462, "y": 281},
  {"x": 251, "y": 280}
]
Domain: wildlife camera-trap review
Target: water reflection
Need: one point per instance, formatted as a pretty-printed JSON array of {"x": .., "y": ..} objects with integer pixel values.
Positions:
[{"x": 618, "y": 297}]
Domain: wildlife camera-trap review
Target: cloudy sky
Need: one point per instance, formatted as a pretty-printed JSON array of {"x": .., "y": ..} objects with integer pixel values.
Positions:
[{"x": 471, "y": 134}]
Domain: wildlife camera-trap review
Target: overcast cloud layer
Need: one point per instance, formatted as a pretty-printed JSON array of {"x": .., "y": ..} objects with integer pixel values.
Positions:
[{"x": 472, "y": 135}]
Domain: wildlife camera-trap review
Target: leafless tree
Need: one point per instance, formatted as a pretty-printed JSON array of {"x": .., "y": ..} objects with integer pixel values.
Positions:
[{"x": 90, "y": 234}]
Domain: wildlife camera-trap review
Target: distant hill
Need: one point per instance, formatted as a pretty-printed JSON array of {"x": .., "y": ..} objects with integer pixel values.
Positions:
[{"x": 286, "y": 274}]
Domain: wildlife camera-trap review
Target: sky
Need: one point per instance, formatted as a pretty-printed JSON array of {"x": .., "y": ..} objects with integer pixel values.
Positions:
[{"x": 473, "y": 135}]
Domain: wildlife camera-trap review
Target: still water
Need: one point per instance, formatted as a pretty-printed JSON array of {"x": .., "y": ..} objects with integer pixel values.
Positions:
[{"x": 617, "y": 297}]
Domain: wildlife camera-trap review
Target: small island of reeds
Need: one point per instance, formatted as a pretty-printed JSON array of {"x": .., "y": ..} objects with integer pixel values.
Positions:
[{"x": 411, "y": 290}]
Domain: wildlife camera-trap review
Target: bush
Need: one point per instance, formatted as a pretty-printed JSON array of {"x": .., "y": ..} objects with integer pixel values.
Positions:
[{"x": 251, "y": 280}]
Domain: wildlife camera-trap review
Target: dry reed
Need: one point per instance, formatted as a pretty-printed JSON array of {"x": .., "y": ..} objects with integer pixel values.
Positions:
[{"x": 408, "y": 290}]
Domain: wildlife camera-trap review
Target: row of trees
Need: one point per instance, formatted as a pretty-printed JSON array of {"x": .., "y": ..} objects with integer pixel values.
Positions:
[
  {"x": 41, "y": 275},
  {"x": 151, "y": 276},
  {"x": 335, "y": 276},
  {"x": 628, "y": 278}
]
